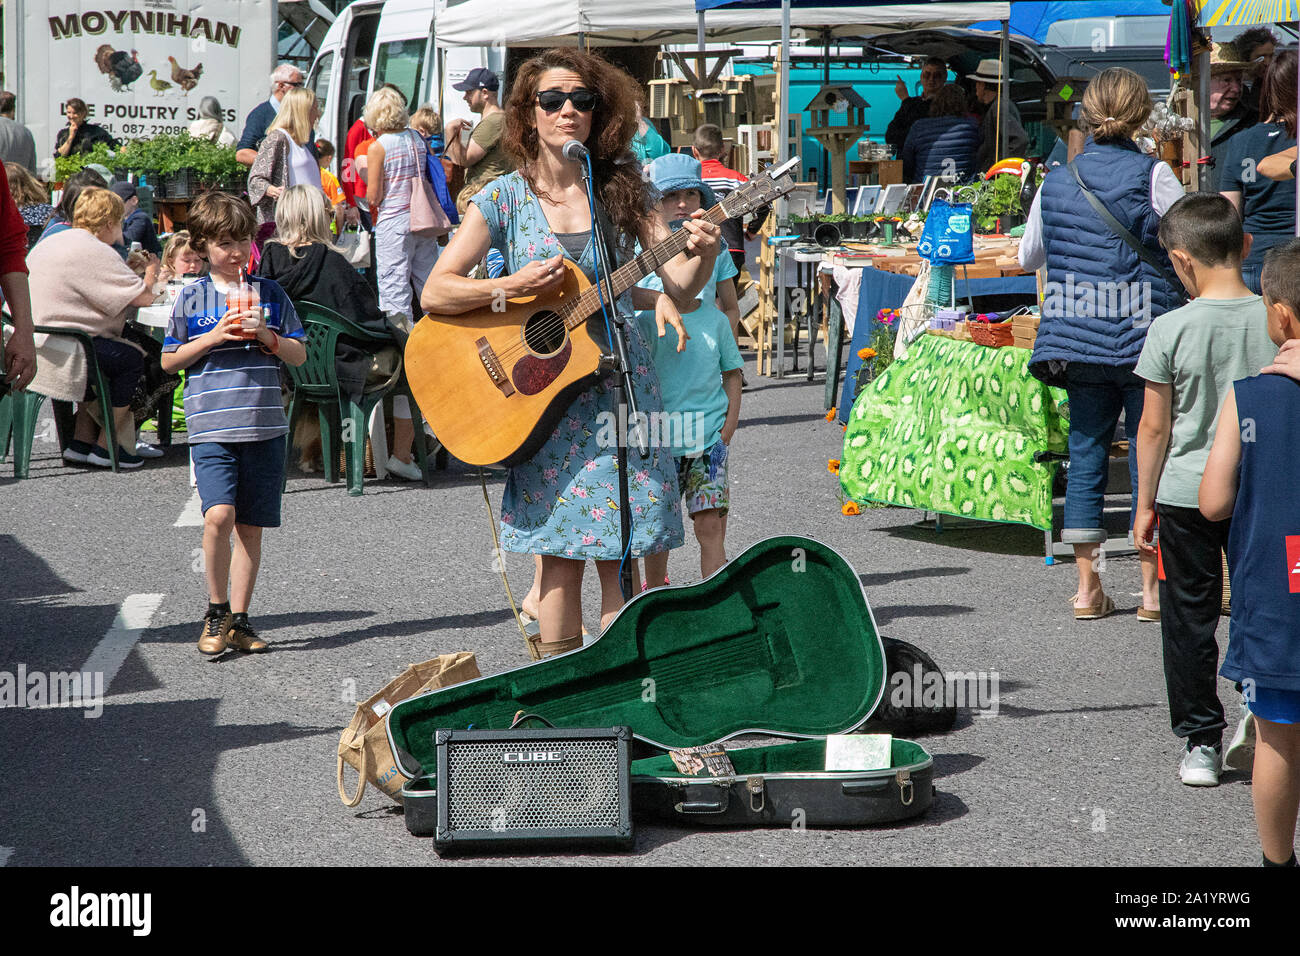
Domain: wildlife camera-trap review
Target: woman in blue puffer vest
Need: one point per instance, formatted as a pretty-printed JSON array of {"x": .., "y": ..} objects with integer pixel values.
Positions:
[
  {"x": 943, "y": 143},
  {"x": 1099, "y": 298}
]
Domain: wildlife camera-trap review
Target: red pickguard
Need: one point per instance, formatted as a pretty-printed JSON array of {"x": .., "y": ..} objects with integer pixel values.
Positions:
[{"x": 531, "y": 375}]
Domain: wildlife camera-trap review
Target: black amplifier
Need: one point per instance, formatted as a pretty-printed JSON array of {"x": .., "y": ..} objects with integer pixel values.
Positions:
[{"x": 516, "y": 790}]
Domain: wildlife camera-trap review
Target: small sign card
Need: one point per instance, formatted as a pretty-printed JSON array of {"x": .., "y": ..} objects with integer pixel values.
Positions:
[
  {"x": 694, "y": 761},
  {"x": 858, "y": 751}
]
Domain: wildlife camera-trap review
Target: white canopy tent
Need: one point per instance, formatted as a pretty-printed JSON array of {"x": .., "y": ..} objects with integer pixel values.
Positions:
[{"x": 665, "y": 22}]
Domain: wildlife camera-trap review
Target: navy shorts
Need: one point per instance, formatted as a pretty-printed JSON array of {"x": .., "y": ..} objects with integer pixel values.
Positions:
[
  {"x": 248, "y": 475},
  {"x": 1278, "y": 706}
]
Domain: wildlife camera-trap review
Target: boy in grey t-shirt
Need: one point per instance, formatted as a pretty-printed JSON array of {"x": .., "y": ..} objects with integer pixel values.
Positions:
[{"x": 1191, "y": 358}]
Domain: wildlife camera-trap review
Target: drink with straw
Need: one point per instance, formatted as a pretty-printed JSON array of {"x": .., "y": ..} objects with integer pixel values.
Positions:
[{"x": 245, "y": 298}]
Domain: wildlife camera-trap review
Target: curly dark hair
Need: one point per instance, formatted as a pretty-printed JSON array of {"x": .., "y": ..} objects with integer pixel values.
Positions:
[{"x": 619, "y": 184}]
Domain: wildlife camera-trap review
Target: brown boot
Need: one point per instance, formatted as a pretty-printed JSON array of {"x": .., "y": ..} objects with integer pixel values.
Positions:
[
  {"x": 537, "y": 648},
  {"x": 216, "y": 624}
]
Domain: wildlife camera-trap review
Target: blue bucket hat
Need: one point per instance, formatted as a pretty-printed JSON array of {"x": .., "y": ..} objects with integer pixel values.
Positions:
[{"x": 679, "y": 171}]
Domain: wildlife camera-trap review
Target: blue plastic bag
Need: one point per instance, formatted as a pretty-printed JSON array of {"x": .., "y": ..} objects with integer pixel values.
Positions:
[{"x": 946, "y": 237}]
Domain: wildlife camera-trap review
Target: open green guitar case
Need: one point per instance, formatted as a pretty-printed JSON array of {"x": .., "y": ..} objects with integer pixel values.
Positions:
[{"x": 780, "y": 642}]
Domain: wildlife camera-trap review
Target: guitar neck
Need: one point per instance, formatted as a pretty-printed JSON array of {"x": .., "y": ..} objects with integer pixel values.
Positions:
[{"x": 630, "y": 273}]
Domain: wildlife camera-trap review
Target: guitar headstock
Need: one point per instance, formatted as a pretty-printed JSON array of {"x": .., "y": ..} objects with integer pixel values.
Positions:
[{"x": 761, "y": 191}]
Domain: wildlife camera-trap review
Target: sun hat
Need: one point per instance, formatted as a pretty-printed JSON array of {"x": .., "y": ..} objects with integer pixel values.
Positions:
[
  {"x": 989, "y": 71},
  {"x": 675, "y": 171},
  {"x": 1224, "y": 58}
]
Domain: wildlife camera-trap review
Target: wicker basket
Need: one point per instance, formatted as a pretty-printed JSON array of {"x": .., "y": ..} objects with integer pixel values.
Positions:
[{"x": 994, "y": 335}]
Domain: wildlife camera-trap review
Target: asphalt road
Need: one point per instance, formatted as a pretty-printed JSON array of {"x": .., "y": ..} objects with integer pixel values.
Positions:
[{"x": 203, "y": 762}]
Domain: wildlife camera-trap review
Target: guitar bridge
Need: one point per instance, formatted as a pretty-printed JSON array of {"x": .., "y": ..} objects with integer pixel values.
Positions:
[{"x": 492, "y": 365}]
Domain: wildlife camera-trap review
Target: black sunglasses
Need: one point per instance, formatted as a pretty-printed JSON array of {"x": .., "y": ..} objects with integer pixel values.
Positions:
[{"x": 584, "y": 101}]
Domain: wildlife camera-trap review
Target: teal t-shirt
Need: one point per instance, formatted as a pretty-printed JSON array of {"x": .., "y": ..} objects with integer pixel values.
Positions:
[
  {"x": 649, "y": 145},
  {"x": 691, "y": 381},
  {"x": 1201, "y": 349}
]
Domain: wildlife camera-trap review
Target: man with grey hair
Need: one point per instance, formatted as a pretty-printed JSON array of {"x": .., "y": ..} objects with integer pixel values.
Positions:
[{"x": 285, "y": 78}]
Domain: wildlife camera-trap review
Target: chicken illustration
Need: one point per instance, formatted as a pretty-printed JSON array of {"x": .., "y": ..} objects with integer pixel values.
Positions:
[
  {"x": 121, "y": 68},
  {"x": 185, "y": 79},
  {"x": 160, "y": 86}
]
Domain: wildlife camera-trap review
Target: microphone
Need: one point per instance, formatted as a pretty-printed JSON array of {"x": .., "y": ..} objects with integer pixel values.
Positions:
[{"x": 574, "y": 151}]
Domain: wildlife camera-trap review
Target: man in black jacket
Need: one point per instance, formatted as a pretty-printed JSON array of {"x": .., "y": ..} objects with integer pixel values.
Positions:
[{"x": 934, "y": 73}]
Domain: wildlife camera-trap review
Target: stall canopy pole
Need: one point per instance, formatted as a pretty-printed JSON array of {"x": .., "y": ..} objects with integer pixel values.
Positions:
[
  {"x": 783, "y": 110},
  {"x": 699, "y": 45},
  {"x": 1004, "y": 55},
  {"x": 1203, "y": 117}
]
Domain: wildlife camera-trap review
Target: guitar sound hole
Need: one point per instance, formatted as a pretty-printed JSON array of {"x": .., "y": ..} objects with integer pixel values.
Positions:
[{"x": 544, "y": 333}]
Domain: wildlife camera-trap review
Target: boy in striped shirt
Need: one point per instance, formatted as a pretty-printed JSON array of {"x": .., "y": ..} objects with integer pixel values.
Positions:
[{"x": 233, "y": 412}]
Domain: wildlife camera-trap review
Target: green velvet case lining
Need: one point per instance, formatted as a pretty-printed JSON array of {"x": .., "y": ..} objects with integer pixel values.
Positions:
[
  {"x": 806, "y": 756},
  {"x": 779, "y": 640}
]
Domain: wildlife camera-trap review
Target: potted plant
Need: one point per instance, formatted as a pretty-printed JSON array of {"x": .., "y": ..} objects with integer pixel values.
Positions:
[{"x": 997, "y": 201}]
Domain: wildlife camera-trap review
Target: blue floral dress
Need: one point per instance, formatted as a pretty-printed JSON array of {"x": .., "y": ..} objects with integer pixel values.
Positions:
[{"x": 564, "y": 500}]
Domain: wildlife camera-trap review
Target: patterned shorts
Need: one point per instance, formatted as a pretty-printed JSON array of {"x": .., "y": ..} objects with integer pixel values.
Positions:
[{"x": 703, "y": 480}]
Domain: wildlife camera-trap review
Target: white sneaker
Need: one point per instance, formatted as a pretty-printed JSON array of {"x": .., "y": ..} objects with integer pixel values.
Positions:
[
  {"x": 407, "y": 470},
  {"x": 1240, "y": 754},
  {"x": 1200, "y": 767},
  {"x": 146, "y": 450}
]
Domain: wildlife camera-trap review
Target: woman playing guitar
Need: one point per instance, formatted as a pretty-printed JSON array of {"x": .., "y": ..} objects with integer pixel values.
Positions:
[{"x": 562, "y": 503}]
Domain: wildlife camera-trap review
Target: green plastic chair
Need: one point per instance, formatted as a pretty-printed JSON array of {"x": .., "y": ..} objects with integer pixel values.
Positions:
[
  {"x": 316, "y": 381},
  {"x": 19, "y": 410}
]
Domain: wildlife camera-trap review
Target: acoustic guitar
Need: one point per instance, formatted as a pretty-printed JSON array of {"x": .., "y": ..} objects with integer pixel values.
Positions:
[{"x": 493, "y": 383}]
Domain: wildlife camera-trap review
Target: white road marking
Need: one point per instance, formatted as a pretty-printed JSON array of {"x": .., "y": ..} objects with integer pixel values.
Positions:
[
  {"x": 5, "y": 853},
  {"x": 132, "y": 620},
  {"x": 192, "y": 516}
]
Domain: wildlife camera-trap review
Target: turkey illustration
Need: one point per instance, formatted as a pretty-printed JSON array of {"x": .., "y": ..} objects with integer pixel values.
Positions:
[
  {"x": 121, "y": 68},
  {"x": 185, "y": 79}
]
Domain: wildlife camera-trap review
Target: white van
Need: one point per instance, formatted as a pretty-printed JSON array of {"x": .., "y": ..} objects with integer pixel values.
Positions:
[{"x": 373, "y": 42}]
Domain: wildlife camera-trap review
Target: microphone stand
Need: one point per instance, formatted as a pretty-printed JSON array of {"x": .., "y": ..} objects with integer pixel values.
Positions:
[{"x": 625, "y": 402}]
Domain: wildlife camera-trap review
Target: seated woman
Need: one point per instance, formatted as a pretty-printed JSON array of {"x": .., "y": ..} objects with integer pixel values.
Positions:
[
  {"x": 61, "y": 219},
  {"x": 943, "y": 143},
  {"x": 32, "y": 200},
  {"x": 303, "y": 259},
  {"x": 97, "y": 302}
]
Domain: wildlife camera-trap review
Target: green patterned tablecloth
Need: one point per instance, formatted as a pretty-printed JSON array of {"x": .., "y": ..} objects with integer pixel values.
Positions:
[{"x": 953, "y": 427}]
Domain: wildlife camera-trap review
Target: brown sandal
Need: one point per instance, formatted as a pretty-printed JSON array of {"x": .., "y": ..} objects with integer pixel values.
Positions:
[
  {"x": 1095, "y": 612},
  {"x": 1147, "y": 614}
]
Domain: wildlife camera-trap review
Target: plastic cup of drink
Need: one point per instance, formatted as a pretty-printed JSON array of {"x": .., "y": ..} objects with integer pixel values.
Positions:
[{"x": 252, "y": 321}]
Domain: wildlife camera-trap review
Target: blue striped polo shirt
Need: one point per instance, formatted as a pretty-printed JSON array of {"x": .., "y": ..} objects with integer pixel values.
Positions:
[{"x": 232, "y": 394}]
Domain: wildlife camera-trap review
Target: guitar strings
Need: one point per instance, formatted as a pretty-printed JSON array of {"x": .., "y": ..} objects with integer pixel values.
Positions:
[{"x": 558, "y": 321}]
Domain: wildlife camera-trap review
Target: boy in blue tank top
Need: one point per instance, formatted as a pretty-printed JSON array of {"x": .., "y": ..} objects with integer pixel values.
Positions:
[
  {"x": 1253, "y": 474},
  {"x": 1190, "y": 359}
]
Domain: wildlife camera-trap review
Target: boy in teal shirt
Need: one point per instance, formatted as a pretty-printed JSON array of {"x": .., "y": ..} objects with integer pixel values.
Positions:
[
  {"x": 701, "y": 385},
  {"x": 1191, "y": 358}
]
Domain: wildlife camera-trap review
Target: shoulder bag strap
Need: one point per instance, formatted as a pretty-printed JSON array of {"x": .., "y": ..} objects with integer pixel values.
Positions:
[{"x": 1143, "y": 253}]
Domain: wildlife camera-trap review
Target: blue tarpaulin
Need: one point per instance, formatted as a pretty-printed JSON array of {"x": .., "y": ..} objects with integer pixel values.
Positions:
[{"x": 1032, "y": 19}]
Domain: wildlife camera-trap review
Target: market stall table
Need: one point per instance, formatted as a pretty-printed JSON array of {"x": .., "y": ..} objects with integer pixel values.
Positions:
[
  {"x": 956, "y": 428},
  {"x": 886, "y": 290}
]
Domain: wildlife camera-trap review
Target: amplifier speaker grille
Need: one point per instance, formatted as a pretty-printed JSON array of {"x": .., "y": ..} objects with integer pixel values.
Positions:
[
  {"x": 581, "y": 788},
  {"x": 501, "y": 788}
]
